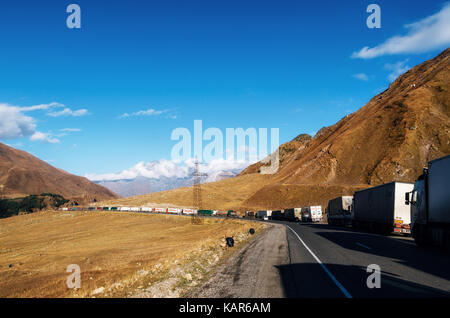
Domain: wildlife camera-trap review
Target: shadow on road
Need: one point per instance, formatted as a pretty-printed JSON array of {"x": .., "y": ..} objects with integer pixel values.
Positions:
[
  {"x": 309, "y": 280},
  {"x": 432, "y": 261}
]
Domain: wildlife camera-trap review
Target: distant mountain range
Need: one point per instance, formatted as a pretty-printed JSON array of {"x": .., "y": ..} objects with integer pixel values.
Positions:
[{"x": 143, "y": 185}]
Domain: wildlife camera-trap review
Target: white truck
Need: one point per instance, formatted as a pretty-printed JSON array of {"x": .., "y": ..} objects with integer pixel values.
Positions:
[
  {"x": 189, "y": 211},
  {"x": 430, "y": 204},
  {"x": 173, "y": 210},
  {"x": 316, "y": 213},
  {"x": 382, "y": 209},
  {"x": 339, "y": 210}
]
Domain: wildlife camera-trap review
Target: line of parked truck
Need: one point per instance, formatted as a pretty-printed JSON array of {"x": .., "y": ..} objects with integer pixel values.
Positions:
[
  {"x": 421, "y": 209},
  {"x": 229, "y": 213},
  {"x": 304, "y": 214}
]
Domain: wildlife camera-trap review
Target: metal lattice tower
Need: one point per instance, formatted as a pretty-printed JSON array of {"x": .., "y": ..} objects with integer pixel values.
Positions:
[{"x": 197, "y": 197}]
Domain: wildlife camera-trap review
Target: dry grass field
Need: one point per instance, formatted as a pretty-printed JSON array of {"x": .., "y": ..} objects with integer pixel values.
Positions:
[{"x": 120, "y": 252}]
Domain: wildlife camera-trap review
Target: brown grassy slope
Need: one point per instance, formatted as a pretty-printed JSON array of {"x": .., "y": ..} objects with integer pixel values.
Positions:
[
  {"x": 222, "y": 195},
  {"x": 109, "y": 247},
  {"x": 285, "y": 151},
  {"x": 22, "y": 174},
  {"x": 391, "y": 138}
]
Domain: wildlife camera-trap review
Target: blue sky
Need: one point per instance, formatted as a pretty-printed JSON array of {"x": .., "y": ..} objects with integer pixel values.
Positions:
[{"x": 292, "y": 65}]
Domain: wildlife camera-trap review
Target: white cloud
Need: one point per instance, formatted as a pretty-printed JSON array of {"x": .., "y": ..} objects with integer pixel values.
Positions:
[
  {"x": 41, "y": 107},
  {"x": 44, "y": 137},
  {"x": 361, "y": 77},
  {"x": 67, "y": 131},
  {"x": 70, "y": 129},
  {"x": 14, "y": 124},
  {"x": 155, "y": 169},
  {"x": 148, "y": 112},
  {"x": 397, "y": 69},
  {"x": 169, "y": 169},
  {"x": 218, "y": 165},
  {"x": 69, "y": 112},
  {"x": 428, "y": 34}
]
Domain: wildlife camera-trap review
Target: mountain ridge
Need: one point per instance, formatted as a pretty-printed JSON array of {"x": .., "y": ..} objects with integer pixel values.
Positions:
[
  {"x": 390, "y": 138},
  {"x": 22, "y": 174}
]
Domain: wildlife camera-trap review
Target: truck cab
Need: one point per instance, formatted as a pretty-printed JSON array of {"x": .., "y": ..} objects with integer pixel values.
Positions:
[
  {"x": 430, "y": 204},
  {"x": 416, "y": 198}
]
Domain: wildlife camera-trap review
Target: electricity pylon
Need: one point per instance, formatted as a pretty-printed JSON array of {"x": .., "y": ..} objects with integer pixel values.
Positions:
[{"x": 197, "y": 195}]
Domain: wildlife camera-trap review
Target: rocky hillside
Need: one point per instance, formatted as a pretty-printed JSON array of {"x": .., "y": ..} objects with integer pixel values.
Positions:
[
  {"x": 22, "y": 174},
  {"x": 391, "y": 138}
]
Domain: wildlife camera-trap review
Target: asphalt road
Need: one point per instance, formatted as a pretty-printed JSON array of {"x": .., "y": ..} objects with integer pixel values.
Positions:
[{"x": 329, "y": 261}]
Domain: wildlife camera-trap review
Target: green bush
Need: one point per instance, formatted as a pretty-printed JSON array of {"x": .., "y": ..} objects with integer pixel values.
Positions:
[{"x": 10, "y": 207}]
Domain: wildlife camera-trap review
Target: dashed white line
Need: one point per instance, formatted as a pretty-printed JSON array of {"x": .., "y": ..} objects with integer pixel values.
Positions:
[
  {"x": 362, "y": 245},
  {"x": 338, "y": 284}
]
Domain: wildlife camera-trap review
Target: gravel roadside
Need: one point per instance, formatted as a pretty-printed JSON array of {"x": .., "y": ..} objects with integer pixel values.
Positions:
[{"x": 251, "y": 272}]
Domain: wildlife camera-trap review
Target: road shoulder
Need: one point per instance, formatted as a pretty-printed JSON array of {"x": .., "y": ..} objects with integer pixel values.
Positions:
[{"x": 252, "y": 272}]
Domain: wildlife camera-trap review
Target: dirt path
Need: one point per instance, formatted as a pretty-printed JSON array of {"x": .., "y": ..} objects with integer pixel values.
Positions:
[{"x": 252, "y": 271}]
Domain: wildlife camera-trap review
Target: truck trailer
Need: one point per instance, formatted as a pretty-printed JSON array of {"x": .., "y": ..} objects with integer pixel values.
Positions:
[
  {"x": 293, "y": 214},
  {"x": 430, "y": 204},
  {"x": 261, "y": 214},
  {"x": 277, "y": 215},
  {"x": 316, "y": 213},
  {"x": 249, "y": 214},
  {"x": 189, "y": 211},
  {"x": 173, "y": 211},
  {"x": 339, "y": 211},
  {"x": 205, "y": 212},
  {"x": 382, "y": 209},
  {"x": 306, "y": 214}
]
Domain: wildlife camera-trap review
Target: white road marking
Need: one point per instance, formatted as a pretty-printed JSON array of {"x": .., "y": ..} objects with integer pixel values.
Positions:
[
  {"x": 362, "y": 245},
  {"x": 338, "y": 284}
]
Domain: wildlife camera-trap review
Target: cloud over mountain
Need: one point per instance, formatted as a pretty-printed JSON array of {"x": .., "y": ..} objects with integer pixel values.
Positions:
[{"x": 169, "y": 169}]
